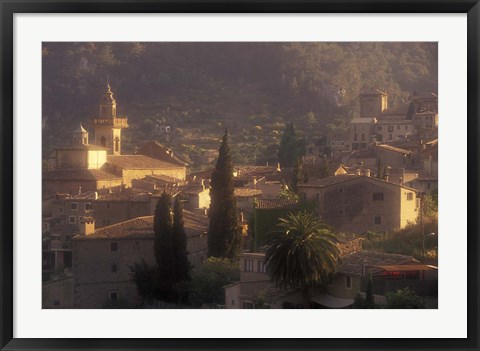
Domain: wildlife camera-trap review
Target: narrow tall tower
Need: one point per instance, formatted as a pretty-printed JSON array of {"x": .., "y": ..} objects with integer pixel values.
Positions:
[
  {"x": 373, "y": 102},
  {"x": 108, "y": 127}
]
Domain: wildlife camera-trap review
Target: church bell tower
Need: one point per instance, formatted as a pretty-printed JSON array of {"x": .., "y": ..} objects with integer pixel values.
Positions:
[{"x": 108, "y": 127}]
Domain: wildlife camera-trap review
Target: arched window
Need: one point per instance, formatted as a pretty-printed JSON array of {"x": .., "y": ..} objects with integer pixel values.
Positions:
[
  {"x": 117, "y": 144},
  {"x": 103, "y": 142}
]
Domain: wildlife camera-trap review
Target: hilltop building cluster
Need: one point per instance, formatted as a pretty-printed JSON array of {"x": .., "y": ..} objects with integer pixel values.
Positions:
[{"x": 98, "y": 207}]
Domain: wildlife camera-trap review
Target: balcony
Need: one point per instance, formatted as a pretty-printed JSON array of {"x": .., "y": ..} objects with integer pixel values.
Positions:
[{"x": 118, "y": 122}]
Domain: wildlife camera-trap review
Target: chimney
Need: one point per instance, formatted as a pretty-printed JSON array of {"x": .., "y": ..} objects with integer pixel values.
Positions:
[
  {"x": 87, "y": 225},
  {"x": 96, "y": 195},
  {"x": 357, "y": 172},
  {"x": 278, "y": 167},
  {"x": 386, "y": 177},
  {"x": 400, "y": 180},
  {"x": 203, "y": 184},
  {"x": 79, "y": 190},
  {"x": 367, "y": 172}
]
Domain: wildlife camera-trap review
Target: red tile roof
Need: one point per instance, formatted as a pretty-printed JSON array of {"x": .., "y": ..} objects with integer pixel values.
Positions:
[
  {"x": 143, "y": 227},
  {"x": 139, "y": 162},
  {"x": 80, "y": 174}
]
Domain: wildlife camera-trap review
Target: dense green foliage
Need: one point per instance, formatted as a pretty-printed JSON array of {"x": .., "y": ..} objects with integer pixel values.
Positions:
[
  {"x": 180, "y": 243},
  {"x": 143, "y": 275},
  {"x": 170, "y": 247},
  {"x": 368, "y": 301},
  {"x": 224, "y": 234},
  {"x": 407, "y": 241},
  {"x": 201, "y": 88},
  {"x": 405, "y": 299},
  {"x": 291, "y": 147},
  {"x": 302, "y": 254},
  {"x": 208, "y": 280},
  {"x": 165, "y": 276}
]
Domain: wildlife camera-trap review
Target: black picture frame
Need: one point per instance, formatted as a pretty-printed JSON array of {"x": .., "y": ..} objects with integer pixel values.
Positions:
[{"x": 10, "y": 7}]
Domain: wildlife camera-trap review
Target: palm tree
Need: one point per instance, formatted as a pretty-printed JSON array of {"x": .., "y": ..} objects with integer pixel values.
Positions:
[{"x": 302, "y": 254}]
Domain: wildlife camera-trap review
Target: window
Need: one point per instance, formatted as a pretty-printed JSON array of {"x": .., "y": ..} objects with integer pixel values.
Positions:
[
  {"x": 72, "y": 219},
  {"x": 114, "y": 247},
  {"x": 332, "y": 143},
  {"x": 340, "y": 190},
  {"x": 261, "y": 266},
  {"x": 377, "y": 196},
  {"x": 379, "y": 127},
  {"x": 248, "y": 265},
  {"x": 390, "y": 137},
  {"x": 87, "y": 206},
  {"x": 342, "y": 143},
  {"x": 377, "y": 220},
  {"x": 113, "y": 296},
  {"x": 73, "y": 205},
  {"x": 107, "y": 205},
  {"x": 348, "y": 282},
  {"x": 60, "y": 209},
  {"x": 409, "y": 196},
  {"x": 248, "y": 305},
  {"x": 114, "y": 268},
  {"x": 406, "y": 127},
  {"x": 233, "y": 302},
  {"x": 398, "y": 127},
  {"x": 363, "y": 136},
  {"x": 56, "y": 303},
  {"x": 428, "y": 185},
  {"x": 390, "y": 129},
  {"x": 355, "y": 137}
]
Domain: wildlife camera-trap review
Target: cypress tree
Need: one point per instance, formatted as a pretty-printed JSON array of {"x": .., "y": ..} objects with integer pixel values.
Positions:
[
  {"x": 296, "y": 175},
  {"x": 180, "y": 243},
  {"x": 291, "y": 146},
  {"x": 324, "y": 168},
  {"x": 223, "y": 233},
  {"x": 165, "y": 275},
  {"x": 369, "y": 299}
]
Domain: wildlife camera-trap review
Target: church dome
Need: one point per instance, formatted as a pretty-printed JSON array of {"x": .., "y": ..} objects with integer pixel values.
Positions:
[{"x": 79, "y": 129}]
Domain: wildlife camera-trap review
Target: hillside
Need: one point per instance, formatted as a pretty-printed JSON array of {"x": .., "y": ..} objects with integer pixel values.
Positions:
[{"x": 198, "y": 89}]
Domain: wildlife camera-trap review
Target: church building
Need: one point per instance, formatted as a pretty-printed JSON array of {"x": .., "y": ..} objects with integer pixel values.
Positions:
[{"x": 82, "y": 166}]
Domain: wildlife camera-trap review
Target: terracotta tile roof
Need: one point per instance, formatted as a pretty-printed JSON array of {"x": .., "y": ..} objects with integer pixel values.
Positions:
[
  {"x": 362, "y": 120},
  {"x": 247, "y": 192},
  {"x": 83, "y": 147},
  {"x": 143, "y": 227},
  {"x": 139, "y": 162},
  {"x": 353, "y": 263},
  {"x": 80, "y": 174},
  {"x": 325, "y": 182},
  {"x": 268, "y": 204},
  {"x": 394, "y": 149},
  {"x": 159, "y": 151},
  {"x": 331, "y": 180}
]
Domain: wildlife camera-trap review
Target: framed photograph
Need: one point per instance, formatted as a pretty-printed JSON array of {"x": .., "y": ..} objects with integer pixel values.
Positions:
[{"x": 246, "y": 175}]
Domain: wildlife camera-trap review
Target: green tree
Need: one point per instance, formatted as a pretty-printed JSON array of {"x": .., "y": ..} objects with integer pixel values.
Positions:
[
  {"x": 291, "y": 146},
  {"x": 404, "y": 298},
  {"x": 297, "y": 175},
  {"x": 143, "y": 275},
  {"x": 369, "y": 299},
  {"x": 208, "y": 280},
  {"x": 223, "y": 233},
  {"x": 180, "y": 243},
  {"x": 165, "y": 276},
  {"x": 324, "y": 168},
  {"x": 302, "y": 254}
]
